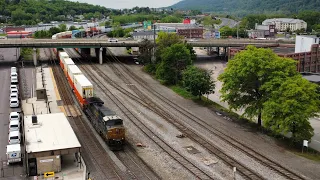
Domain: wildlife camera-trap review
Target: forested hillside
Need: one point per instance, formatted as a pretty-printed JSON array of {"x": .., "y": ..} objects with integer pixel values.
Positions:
[
  {"x": 244, "y": 7},
  {"x": 29, "y": 12}
]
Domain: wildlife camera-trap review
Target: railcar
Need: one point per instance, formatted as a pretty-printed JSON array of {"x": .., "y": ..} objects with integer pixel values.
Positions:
[
  {"x": 62, "y": 55},
  {"x": 67, "y": 62},
  {"x": 83, "y": 88},
  {"x": 105, "y": 122},
  {"x": 72, "y": 71}
]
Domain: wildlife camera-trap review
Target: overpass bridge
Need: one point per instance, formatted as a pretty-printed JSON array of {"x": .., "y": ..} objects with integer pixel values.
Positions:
[{"x": 97, "y": 43}]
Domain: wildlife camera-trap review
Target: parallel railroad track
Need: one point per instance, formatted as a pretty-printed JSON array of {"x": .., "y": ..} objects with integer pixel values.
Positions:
[
  {"x": 95, "y": 156},
  {"x": 192, "y": 168},
  {"x": 285, "y": 172}
]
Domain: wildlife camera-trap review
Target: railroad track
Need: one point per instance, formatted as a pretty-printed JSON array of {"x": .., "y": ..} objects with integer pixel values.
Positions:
[
  {"x": 95, "y": 156},
  {"x": 191, "y": 167},
  {"x": 285, "y": 172}
]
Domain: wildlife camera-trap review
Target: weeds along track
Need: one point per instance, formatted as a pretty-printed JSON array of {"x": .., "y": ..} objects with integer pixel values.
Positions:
[
  {"x": 285, "y": 172},
  {"x": 192, "y": 168},
  {"x": 96, "y": 158}
]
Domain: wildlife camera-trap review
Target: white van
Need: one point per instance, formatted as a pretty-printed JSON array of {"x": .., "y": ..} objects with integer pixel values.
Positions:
[
  {"x": 13, "y": 70},
  {"x": 14, "y": 126},
  {"x": 14, "y": 116},
  {"x": 14, "y": 103},
  {"x": 14, "y": 137},
  {"x": 13, "y": 153}
]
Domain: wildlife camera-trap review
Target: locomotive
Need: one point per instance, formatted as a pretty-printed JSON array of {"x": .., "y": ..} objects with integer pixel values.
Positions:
[{"x": 106, "y": 122}]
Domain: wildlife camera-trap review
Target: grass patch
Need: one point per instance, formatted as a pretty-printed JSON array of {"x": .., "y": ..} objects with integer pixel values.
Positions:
[
  {"x": 182, "y": 92},
  {"x": 3, "y": 35},
  {"x": 307, "y": 155}
]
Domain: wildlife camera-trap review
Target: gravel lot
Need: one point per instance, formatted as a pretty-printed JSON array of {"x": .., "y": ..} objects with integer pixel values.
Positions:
[{"x": 260, "y": 142}]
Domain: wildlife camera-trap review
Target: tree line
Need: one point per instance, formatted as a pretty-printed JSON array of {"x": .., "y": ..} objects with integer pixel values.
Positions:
[
  {"x": 31, "y": 12},
  {"x": 173, "y": 64}
]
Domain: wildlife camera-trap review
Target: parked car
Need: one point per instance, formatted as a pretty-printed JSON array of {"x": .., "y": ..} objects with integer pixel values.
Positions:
[
  {"x": 112, "y": 40},
  {"x": 14, "y": 103},
  {"x": 14, "y": 90},
  {"x": 14, "y": 137},
  {"x": 13, "y": 86},
  {"x": 14, "y": 126},
  {"x": 14, "y": 80},
  {"x": 14, "y": 116},
  {"x": 14, "y": 96}
]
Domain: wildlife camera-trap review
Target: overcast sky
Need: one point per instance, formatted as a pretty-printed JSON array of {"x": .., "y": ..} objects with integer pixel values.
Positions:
[{"x": 121, "y": 4}]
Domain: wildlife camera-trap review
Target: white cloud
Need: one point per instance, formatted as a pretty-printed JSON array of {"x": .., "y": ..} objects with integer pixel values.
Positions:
[{"x": 121, "y": 4}]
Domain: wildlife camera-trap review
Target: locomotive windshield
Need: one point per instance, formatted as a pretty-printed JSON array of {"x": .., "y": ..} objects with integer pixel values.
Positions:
[{"x": 114, "y": 122}]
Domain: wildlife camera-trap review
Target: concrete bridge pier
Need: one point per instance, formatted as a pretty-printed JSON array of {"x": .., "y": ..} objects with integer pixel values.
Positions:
[
  {"x": 34, "y": 56},
  {"x": 218, "y": 51},
  {"x": 100, "y": 56},
  {"x": 225, "y": 53}
]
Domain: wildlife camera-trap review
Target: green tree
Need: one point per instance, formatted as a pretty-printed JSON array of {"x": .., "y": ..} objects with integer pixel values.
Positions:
[
  {"x": 62, "y": 27},
  {"x": 290, "y": 107},
  {"x": 171, "y": 19},
  {"x": 246, "y": 80},
  {"x": 174, "y": 60},
  {"x": 165, "y": 40},
  {"x": 208, "y": 21},
  {"x": 145, "y": 50},
  {"x": 54, "y": 30},
  {"x": 250, "y": 21},
  {"x": 72, "y": 28},
  {"x": 226, "y": 31},
  {"x": 198, "y": 81}
]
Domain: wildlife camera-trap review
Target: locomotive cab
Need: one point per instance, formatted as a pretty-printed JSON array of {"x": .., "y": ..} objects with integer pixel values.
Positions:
[
  {"x": 106, "y": 122},
  {"x": 115, "y": 129}
]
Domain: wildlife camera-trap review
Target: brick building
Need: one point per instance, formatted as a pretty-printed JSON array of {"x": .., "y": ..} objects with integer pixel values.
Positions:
[
  {"x": 190, "y": 32},
  {"x": 307, "y": 61}
]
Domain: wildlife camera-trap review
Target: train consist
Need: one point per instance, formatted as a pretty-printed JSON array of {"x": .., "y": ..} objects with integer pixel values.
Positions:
[{"x": 106, "y": 122}]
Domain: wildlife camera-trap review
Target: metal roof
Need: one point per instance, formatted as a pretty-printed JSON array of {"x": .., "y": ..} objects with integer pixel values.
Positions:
[
  {"x": 74, "y": 69},
  {"x": 53, "y": 132},
  {"x": 68, "y": 61},
  {"x": 283, "y": 20},
  {"x": 82, "y": 80},
  {"x": 13, "y": 147}
]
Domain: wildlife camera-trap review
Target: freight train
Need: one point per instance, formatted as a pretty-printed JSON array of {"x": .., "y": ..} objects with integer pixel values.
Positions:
[{"x": 109, "y": 126}]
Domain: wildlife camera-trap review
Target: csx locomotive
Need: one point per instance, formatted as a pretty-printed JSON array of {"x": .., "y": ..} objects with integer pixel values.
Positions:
[{"x": 106, "y": 122}]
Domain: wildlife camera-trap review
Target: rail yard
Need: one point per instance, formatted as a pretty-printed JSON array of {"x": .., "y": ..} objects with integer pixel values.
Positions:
[{"x": 132, "y": 127}]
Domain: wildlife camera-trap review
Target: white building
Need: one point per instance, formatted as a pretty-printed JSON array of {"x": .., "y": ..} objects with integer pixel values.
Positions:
[
  {"x": 304, "y": 43},
  {"x": 283, "y": 23}
]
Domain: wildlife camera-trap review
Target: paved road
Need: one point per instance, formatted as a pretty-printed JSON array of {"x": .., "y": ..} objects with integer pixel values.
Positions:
[{"x": 13, "y": 171}]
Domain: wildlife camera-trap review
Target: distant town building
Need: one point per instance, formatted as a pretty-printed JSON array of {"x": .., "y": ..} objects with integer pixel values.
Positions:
[
  {"x": 143, "y": 35},
  {"x": 186, "y": 29},
  {"x": 190, "y": 32},
  {"x": 282, "y": 24},
  {"x": 262, "y": 31},
  {"x": 306, "y": 52}
]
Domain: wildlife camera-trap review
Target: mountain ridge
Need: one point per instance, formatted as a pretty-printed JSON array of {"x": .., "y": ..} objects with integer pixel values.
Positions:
[{"x": 245, "y": 7}]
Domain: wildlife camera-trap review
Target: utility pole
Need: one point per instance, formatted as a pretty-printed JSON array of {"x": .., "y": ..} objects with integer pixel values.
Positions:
[
  {"x": 154, "y": 43},
  {"x": 238, "y": 30}
]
